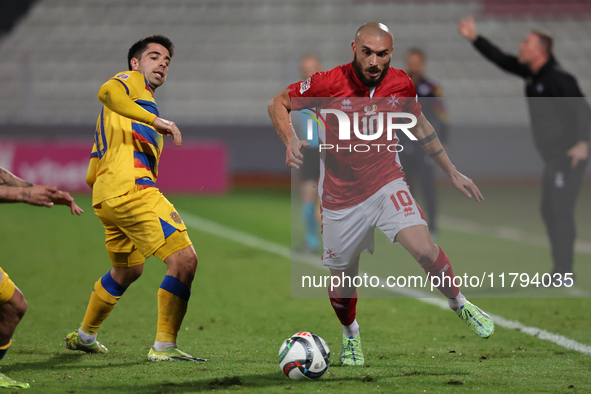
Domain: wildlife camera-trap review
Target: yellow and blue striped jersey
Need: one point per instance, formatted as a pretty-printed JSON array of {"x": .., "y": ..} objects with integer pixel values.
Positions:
[{"x": 126, "y": 149}]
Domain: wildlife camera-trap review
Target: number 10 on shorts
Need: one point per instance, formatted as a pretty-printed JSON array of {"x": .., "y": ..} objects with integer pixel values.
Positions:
[{"x": 401, "y": 198}]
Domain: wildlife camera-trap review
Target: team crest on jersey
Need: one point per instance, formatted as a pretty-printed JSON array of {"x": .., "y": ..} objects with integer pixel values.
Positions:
[
  {"x": 175, "y": 216},
  {"x": 393, "y": 101},
  {"x": 305, "y": 85},
  {"x": 370, "y": 109},
  {"x": 123, "y": 76}
]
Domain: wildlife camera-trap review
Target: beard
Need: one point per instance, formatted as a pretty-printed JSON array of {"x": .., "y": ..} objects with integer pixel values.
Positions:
[{"x": 369, "y": 82}]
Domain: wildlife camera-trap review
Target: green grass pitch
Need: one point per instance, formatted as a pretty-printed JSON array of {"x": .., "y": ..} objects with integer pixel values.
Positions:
[{"x": 241, "y": 308}]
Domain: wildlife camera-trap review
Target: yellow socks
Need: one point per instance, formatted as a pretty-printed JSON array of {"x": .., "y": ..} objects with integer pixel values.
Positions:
[
  {"x": 173, "y": 297},
  {"x": 103, "y": 299}
]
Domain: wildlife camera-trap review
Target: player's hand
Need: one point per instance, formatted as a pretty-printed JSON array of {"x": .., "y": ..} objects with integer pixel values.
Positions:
[
  {"x": 467, "y": 28},
  {"x": 39, "y": 195},
  {"x": 294, "y": 156},
  {"x": 466, "y": 186},
  {"x": 168, "y": 128},
  {"x": 579, "y": 152},
  {"x": 64, "y": 198}
]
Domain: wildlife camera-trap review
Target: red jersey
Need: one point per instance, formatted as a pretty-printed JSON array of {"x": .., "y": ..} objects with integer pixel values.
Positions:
[{"x": 354, "y": 169}]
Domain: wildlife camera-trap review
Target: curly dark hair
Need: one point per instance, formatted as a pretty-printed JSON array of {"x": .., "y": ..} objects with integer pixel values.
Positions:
[{"x": 139, "y": 47}]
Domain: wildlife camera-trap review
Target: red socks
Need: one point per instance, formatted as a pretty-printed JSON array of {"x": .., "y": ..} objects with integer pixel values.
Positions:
[
  {"x": 441, "y": 267},
  {"x": 345, "y": 308}
]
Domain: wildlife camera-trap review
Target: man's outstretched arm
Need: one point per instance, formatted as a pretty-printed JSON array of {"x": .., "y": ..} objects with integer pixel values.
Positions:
[
  {"x": 509, "y": 63},
  {"x": 279, "y": 109},
  {"x": 114, "y": 95},
  {"x": 428, "y": 140},
  {"x": 14, "y": 189}
]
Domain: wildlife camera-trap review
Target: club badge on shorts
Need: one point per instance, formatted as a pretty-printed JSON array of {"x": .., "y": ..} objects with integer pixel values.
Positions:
[{"x": 176, "y": 218}]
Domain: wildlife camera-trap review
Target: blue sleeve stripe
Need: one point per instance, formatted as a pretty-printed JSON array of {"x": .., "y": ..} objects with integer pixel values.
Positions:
[
  {"x": 122, "y": 83},
  {"x": 149, "y": 106},
  {"x": 145, "y": 182},
  {"x": 145, "y": 131},
  {"x": 147, "y": 160},
  {"x": 176, "y": 287},
  {"x": 101, "y": 152},
  {"x": 94, "y": 154},
  {"x": 112, "y": 287},
  {"x": 167, "y": 229}
]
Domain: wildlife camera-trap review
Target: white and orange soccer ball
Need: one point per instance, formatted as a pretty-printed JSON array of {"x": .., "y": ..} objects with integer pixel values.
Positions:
[{"x": 304, "y": 355}]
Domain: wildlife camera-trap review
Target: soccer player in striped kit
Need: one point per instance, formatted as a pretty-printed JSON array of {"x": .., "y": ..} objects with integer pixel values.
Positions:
[{"x": 139, "y": 221}]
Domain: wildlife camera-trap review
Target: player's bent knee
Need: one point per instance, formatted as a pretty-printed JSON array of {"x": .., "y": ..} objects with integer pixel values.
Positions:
[
  {"x": 189, "y": 261},
  {"x": 125, "y": 276},
  {"x": 20, "y": 304},
  {"x": 425, "y": 253},
  {"x": 183, "y": 264}
]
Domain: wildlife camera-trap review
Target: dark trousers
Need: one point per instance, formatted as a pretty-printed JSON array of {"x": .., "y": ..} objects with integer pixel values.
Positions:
[
  {"x": 419, "y": 168},
  {"x": 560, "y": 188}
]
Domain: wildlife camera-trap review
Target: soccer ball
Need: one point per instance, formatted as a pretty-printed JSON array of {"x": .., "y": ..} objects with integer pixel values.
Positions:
[{"x": 304, "y": 354}]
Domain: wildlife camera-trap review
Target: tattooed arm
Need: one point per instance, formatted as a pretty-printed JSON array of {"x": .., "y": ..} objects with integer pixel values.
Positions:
[
  {"x": 14, "y": 189},
  {"x": 428, "y": 140}
]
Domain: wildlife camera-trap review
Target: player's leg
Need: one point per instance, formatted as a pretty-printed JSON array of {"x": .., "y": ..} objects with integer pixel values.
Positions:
[
  {"x": 12, "y": 309},
  {"x": 309, "y": 194},
  {"x": 173, "y": 297},
  {"x": 127, "y": 266},
  {"x": 403, "y": 221},
  {"x": 309, "y": 191},
  {"x": 417, "y": 241},
  {"x": 343, "y": 299},
  {"x": 346, "y": 234},
  {"x": 108, "y": 289}
]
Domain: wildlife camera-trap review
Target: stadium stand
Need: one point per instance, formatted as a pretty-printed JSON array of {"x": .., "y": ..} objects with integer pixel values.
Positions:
[{"x": 233, "y": 55}]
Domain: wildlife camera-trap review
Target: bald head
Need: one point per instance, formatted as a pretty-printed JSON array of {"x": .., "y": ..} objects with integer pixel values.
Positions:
[
  {"x": 372, "y": 51},
  {"x": 374, "y": 29}
]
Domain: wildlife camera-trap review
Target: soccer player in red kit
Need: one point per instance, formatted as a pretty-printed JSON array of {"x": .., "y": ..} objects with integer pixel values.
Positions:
[{"x": 360, "y": 191}]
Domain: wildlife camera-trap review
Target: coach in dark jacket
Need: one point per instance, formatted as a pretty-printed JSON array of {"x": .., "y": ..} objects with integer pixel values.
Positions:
[{"x": 560, "y": 119}]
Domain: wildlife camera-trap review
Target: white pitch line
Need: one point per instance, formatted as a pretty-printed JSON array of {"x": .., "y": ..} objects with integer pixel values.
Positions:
[
  {"x": 504, "y": 232},
  {"x": 250, "y": 240}
]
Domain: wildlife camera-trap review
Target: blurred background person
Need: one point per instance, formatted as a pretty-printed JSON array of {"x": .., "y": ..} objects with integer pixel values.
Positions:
[
  {"x": 560, "y": 130},
  {"x": 416, "y": 164},
  {"x": 310, "y": 171}
]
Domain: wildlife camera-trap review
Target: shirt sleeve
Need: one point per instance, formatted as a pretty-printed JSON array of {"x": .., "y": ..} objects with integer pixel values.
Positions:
[
  {"x": 311, "y": 88},
  {"x": 509, "y": 63},
  {"x": 568, "y": 89},
  {"x": 118, "y": 94}
]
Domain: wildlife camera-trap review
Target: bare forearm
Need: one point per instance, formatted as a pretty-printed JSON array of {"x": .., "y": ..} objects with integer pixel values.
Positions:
[
  {"x": 279, "y": 108},
  {"x": 8, "y": 179},
  {"x": 14, "y": 194},
  {"x": 428, "y": 140}
]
